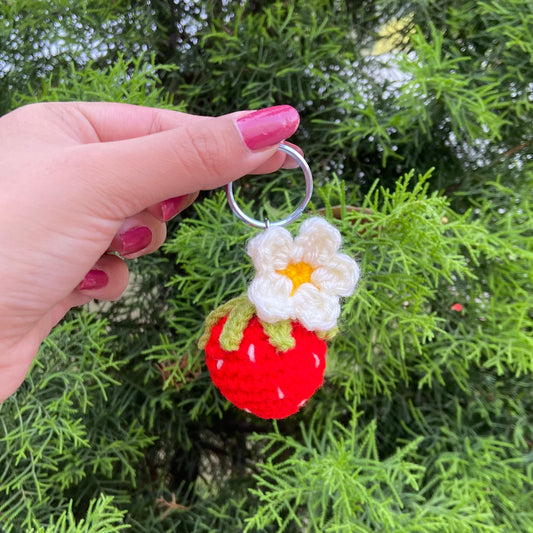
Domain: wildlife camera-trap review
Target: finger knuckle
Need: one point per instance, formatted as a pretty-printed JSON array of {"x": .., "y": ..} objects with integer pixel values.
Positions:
[{"x": 203, "y": 155}]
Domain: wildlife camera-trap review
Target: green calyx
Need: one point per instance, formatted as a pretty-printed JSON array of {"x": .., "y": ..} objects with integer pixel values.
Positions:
[{"x": 239, "y": 312}]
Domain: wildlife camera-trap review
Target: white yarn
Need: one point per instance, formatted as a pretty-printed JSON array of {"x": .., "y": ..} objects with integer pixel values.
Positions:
[{"x": 315, "y": 304}]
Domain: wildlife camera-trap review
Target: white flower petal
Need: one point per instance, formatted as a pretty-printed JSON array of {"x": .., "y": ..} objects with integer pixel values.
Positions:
[
  {"x": 271, "y": 250},
  {"x": 339, "y": 277},
  {"x": 317, "y": 242},
  {"x": 315, "y": 309},
  {"x": 271, "y": 294}
]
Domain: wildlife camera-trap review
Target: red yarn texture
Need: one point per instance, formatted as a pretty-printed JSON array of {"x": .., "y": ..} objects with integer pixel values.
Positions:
[{"x": 259, "y": 379}]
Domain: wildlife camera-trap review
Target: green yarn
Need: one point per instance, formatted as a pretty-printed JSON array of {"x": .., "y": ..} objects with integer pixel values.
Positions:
[
  {"x": 233, "y": 331},
  {"x": 215, "y": 316},
  {"x": 239, "y": 312},
  {"x": 280, "y": 335},
  {"x": 327, "y": 335}
]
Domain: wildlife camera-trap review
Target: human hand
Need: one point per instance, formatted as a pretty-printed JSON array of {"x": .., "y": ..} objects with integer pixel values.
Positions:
[{"x": 79, "y": 180}]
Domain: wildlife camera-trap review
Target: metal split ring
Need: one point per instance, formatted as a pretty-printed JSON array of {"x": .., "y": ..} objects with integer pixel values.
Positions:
[{"x": 264, "y": 224}]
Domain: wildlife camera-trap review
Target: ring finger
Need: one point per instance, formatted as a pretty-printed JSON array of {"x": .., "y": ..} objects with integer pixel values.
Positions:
[{"x": 139, "y": 235}]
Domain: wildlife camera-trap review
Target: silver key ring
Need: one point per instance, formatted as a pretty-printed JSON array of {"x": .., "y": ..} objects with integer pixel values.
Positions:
[{"x": 264, "y": 224}]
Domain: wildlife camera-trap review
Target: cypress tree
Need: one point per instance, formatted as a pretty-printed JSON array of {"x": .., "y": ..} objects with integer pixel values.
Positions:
[{"x": 417, "y": 123}]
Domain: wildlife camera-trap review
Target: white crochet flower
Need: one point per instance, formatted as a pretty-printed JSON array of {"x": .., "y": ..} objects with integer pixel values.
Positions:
[{"x": 301, "y": 279}]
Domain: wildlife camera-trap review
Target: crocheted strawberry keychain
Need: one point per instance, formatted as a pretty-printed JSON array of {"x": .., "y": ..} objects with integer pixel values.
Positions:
[{"x": 266, "y": 350}]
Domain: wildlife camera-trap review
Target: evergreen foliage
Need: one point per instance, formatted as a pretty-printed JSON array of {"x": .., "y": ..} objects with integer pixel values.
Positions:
[{"x": 422, "y": 157}]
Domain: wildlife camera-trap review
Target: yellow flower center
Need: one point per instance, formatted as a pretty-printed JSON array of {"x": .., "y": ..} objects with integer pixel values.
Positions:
[{"x": 298, "y": 273}]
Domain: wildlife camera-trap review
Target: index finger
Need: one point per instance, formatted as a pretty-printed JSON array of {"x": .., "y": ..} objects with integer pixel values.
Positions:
[
  {"x": 201, "y": 153},
  {"x": 117, "y": 122}
]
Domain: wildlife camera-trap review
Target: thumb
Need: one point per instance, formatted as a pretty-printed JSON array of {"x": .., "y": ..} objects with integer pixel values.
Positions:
[{"x": 198, "y": 154}]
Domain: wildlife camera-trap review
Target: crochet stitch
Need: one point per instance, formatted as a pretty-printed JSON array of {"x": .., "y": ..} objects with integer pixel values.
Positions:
[
  {"x": 301, "y": 279},
  {"x": 266, "y": 350},
  {"x": 262, "y": 380}
]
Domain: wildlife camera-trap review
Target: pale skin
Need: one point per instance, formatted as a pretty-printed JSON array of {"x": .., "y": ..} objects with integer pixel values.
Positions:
[{"x": 76, "y": 176}]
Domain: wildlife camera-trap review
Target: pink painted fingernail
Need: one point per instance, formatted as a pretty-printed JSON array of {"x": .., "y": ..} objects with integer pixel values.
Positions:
[
  {"x": 267, "y": 127},
  {"x": 95, "y": 279},
  {"x": 134, "y": 240},
  {"x": 172, "y": 206}
]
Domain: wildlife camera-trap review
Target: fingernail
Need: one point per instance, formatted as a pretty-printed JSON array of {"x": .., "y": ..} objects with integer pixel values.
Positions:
[
  {"x": 171, "y": 207},
  {"x": 267, "y": 127},
  {"x": 95, "y": 279},
  {"x": 134, "y": 240}
]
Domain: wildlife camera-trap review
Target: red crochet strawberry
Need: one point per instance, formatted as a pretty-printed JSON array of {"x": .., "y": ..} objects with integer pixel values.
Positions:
[
  {"x": 269, "y": 370},
  {"x": 265, "y": 350}
]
